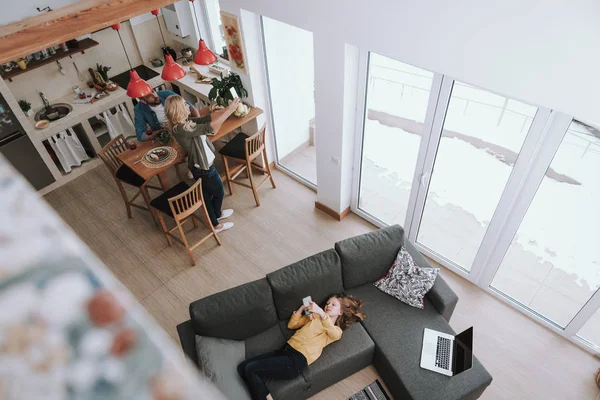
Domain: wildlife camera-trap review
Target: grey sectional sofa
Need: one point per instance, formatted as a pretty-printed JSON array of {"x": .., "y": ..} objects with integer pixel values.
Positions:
[{"x": 390, "y": 337}]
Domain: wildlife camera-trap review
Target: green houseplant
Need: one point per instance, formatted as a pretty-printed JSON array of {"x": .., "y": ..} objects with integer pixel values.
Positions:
[
  {"x": 220, "y": 92},
  {"x": 25, "y": 106}
]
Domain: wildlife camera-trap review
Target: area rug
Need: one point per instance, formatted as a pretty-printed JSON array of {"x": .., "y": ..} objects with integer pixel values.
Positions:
[{"x": 372, "y": 392}]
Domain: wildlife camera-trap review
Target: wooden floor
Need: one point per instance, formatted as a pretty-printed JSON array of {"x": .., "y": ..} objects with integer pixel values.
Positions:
[{"x": 526, "y": 360}]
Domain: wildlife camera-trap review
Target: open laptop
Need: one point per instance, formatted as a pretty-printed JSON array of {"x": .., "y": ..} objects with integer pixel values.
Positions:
[{"x": 447, "y": 354}]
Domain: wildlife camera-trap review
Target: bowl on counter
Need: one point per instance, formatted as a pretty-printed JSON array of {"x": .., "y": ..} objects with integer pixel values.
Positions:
[{"x": 41, "y": 124}]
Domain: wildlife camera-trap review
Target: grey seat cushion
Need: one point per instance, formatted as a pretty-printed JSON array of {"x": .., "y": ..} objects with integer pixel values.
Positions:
[
  {"x": 397, "y": 330},
  {"x": 368, "y": 257},
  {"x": 353, "y": 352},
  {"x": 218, "y": 360},
  {"x": 318, "y": 276},
  {"x": 264, "y": 342},
  {"x": 237, "y": 313}
]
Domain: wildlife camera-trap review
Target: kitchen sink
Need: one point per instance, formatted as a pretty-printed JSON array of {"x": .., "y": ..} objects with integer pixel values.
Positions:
[{"x": 62, "y": 110}]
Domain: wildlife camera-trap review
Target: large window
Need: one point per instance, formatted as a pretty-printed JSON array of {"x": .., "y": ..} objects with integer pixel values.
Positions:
[
  {"x": 397, "y": 97},
  {"x": 291, "y": 86},
  {"x": 481, "y": 139},
  {"x": 501, "y": 192},
  {"x": 553, "y": 263}
]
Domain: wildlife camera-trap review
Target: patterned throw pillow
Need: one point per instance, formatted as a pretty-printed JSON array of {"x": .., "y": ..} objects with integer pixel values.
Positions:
[{"x": 406, "y": 281}]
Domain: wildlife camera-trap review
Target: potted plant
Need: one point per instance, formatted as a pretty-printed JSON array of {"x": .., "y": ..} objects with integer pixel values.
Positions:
[
  {"x": 221, "y": 93},
  {"x": 103, "y": 71},
  {"x": 26, "y": 107}
]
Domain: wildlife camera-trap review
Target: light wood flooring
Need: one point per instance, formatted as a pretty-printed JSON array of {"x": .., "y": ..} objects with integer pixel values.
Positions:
[{"x": 526, "y": 360}]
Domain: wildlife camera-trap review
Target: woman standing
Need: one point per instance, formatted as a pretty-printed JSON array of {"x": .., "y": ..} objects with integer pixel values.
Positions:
[
  {"x": 191, "y": 134},
  {"x": 315, "y": 331}
]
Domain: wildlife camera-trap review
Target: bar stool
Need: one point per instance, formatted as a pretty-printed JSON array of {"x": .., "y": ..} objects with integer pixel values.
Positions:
[
  {"x": 123, "y": 174},
  {"x": 247, "y": 149},
  {"x": 181, "y": 202}
]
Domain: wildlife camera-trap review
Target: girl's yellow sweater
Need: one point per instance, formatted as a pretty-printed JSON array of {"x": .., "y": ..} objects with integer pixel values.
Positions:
[{"x": 313, "y": 336}]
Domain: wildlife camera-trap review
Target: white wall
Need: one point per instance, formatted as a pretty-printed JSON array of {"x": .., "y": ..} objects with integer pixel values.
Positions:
[
  {"x": 291, "y": 77},
  {"x": 540, "y": 52}
]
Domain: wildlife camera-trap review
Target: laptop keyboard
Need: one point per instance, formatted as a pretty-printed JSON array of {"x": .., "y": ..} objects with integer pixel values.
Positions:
[{"x": 442, "y": 355}]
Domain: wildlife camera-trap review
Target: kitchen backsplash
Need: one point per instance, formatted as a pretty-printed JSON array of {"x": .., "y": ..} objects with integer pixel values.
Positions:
[{"x": 143, "y": 43}]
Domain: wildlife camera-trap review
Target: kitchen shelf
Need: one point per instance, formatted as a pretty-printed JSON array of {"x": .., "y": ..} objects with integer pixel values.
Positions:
[{"x": 33, "y": 64}]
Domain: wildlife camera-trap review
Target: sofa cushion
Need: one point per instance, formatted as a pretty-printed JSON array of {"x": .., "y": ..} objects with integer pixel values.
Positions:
[
  {"x": 406, "y": 281},
  {"x": 318, "y": 276},
  {"x": 218, "y": 360},
  {"x": 353, "y": 352},
  {"x": 269, "y": 340},
  {"x": 237, "y": 313},
  {"x": 397, "y": 330},
  {"x": 368, "y": 257}
]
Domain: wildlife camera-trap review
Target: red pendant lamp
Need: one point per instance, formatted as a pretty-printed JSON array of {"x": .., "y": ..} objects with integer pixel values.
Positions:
[
  {"x": 203, "y": 56},
  {"x": 137, "y": 87},
  {"x": 171, "y": 71}
]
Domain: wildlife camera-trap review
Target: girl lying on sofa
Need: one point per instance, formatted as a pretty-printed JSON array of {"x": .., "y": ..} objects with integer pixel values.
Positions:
[{"x": 315, "y": 331}]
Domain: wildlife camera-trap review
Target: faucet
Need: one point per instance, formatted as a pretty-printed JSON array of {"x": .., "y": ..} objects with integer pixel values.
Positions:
[{"x": 45, "y": 100}]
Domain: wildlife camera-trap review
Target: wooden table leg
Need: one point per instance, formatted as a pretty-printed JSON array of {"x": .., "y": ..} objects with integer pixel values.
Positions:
[{"x": 164, "y": 180}]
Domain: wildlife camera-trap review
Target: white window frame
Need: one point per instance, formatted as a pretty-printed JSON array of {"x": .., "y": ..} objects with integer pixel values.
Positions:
[{"x": 543, "y": 139}]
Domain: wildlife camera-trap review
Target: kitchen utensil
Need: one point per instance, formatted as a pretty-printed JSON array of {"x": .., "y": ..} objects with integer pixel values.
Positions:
[
  {"x": 79, "y": 74},
  {"x": 41, "y": 124},
  {"x": 52, "y": 50},
  {"x": 52, "y": 115},
  {"x": 45, "y": 54},
  {"x": 60, "y": 68},
  {"x": 7, "y": 67}
]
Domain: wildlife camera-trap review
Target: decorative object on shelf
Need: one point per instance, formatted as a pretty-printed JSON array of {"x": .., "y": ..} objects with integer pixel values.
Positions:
[
  {"x": 52, "y": 50},
  {"x": 219, "y": 69},
  {"x": 233, "y": 38},
  {"x": 225, "y": 54},
  {"x": 157, "y": 62},
  {"x": 242, "y": 110},
  {"x": 22, "y": 63},
  {"x": 221, "y": 93},
  {"x": 172, "y": 71},
  {"x": 203, "y": 56},
  {"x": 64, "y": 47},
  {"x": 137, "y": 87},
  {"x": 103, "y": 71},
  {"x": 26, "y": 107},
  {"x": 163, "y": 137}
]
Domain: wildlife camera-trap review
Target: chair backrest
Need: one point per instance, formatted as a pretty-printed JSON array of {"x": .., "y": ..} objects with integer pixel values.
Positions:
[
  {"x": 108, "y": 154},
  {"x": 256, "y": 143},
  {"x": 187, "y": 202}
]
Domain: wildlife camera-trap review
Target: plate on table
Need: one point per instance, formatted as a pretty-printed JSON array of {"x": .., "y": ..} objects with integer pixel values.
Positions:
[{"x": 157, "y": 154}]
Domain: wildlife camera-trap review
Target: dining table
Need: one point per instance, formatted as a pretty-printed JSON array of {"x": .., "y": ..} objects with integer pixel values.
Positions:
[{"x": 135, "y": 158}]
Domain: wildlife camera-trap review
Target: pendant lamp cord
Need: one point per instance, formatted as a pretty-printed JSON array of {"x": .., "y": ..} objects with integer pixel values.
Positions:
[
  {"x": 123, "y": 44},
  {"x": 161, "y": 32},
  {"x": 196, "y": 19}
]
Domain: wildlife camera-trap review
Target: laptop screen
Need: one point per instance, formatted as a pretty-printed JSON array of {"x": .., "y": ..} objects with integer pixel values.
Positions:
[{"x": 463, "y": 351}]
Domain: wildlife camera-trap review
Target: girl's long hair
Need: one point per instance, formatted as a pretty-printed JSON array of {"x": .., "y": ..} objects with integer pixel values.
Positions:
[
  {"x": 177, "y": 112},
  {"x": 350, "y": 308}
]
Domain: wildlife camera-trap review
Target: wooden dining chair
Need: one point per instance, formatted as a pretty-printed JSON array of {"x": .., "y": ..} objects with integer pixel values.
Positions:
[
  {"x": 181, "y": 203},
  {"x": 123, "y": 174},
  {"x": 245, "y": 149}
]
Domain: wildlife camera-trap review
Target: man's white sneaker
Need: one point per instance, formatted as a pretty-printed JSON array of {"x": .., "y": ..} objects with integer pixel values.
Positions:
[
  {"x": 226, "y": 213},
  {"x": 226, "y": 225}
]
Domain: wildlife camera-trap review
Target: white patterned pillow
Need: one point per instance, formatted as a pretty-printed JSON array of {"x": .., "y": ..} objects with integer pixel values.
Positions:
[{"x": 406, "y": 281}]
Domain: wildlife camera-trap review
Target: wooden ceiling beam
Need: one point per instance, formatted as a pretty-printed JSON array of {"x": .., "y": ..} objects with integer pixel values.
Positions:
[{"x": 42, "y": 31}]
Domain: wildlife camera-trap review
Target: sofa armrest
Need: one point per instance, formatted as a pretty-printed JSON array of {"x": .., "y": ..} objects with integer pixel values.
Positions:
[
  {"x": 187, "y": 337},
  {"x": 443, "y": 298},
  {"x": 441, "y": 295}
]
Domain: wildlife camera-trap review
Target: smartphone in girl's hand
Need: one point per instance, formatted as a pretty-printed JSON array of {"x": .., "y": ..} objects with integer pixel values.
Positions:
[{"x": 306, "y": 302}]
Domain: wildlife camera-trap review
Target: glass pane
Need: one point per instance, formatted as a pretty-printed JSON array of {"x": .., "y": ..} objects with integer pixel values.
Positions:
[
  {"x": 481, "y": 140},
  {"x": 292, "y": 82},
  {"x": 397, "y": 97},
  {"x": 553, "y": 263},
  {"x": 590, "y": 332}
]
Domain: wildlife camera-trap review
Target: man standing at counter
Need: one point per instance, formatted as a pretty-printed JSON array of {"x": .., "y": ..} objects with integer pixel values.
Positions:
[{"x": 150, "y": 111}]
